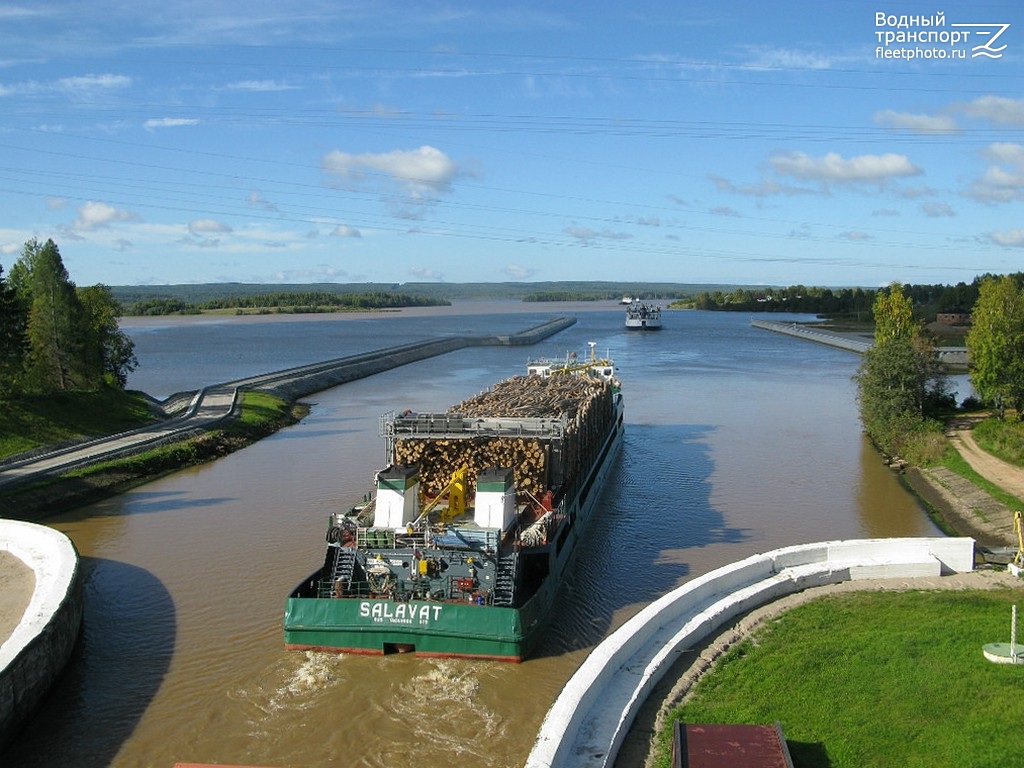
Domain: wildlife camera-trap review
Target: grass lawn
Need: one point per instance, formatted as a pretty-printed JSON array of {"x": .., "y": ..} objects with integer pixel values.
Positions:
[
  {"x": 876, "y": 679},
  {"x": 1004, "y": 439},
  {"x": 30, "y": 422}
]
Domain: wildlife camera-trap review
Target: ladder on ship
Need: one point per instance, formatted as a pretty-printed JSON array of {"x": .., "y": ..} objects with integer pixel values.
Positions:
[
  {"x": 342, "y": 572},
  {"x": 505, "y": 579}
]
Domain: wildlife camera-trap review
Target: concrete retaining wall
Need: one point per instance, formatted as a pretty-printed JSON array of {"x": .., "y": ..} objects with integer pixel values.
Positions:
[
  {"x": 812, "y": 334},
  {"x": 305, "y": 382},
  {"x": 40, "y": 646},
  {"x": 595, "y": 710}
]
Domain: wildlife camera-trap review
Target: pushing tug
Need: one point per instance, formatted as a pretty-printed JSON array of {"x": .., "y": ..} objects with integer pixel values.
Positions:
[{"x": 474, "y": 521}]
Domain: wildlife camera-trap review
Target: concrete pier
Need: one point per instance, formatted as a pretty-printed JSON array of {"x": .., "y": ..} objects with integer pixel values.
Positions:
[
  {"x": 39, "y": 647},
  {"x": 810, "y": 333},
  {"x": 954, "y": 358}
]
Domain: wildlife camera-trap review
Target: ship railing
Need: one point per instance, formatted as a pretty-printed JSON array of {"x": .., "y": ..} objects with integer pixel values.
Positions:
[
  {"x": 394, "y": 425},
  {"x": 457, "y": 589}
]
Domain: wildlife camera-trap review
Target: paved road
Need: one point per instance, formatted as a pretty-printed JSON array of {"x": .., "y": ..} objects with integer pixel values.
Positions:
[{"x": 209, "y": 406}]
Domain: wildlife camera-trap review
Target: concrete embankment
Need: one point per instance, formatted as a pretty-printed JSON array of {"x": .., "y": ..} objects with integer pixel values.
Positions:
[
  {"x": 40, "y": 645},
  {"x": 801, "y": 331},
  {"x": 300, "y": 382},
  {"x": 955, "y": 358}
]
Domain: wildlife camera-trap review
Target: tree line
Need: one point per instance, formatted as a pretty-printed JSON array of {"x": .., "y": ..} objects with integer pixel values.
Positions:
[
  {"x": 284, "y": 301},
  {"x": 55, "y": 336},
  {"x": 902, "y": 389},
  {"x": 856, "y": 303}
]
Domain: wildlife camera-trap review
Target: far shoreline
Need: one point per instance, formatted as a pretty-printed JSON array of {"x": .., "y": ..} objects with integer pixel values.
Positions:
[{"x": 455, "y": 309}]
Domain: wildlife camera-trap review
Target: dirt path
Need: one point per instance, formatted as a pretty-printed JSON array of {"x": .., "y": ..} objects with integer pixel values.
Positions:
[{"x": 1007, "y": 476}]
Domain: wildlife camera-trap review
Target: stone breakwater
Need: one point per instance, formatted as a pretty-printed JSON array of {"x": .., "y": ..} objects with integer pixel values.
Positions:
[{"x": 41, "y": 643}]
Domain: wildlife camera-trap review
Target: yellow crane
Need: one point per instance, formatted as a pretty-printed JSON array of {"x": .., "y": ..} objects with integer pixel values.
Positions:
[{"x": 456, "y": 493}]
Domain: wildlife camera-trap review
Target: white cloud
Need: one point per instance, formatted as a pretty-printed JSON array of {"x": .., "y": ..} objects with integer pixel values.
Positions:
[
  {"x": 916, "y": 123},
  {"x": 785, "y": 58},
  {"x": 1012, "y": 238},
  {"x": 343, "y": 230},
  {"x": 764, "y": 188},
  {"x": 937, "y": 210},
  {"x": 207, "y": 226},
  {"x": 417, "y": 173},
  {"x": 1003, "y": 182},
  {"x": 169, "y": 122},
  {"x": 92, "y": 83},
  {"x": 995, "y": 109},
  {"x": 256, "y": 199},
  {"x": 320, "y": 273},
  {"x": 833, "y": 168},
  {"x": 588, "y": 235},
  {"x": 423, "y": 273},
  {"x": 517, "y": 272},
  {"x": 93, "y": 215},
  {"x": 259, "y": 86}
]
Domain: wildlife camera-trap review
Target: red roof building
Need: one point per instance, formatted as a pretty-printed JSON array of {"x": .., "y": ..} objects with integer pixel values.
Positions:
[{"x": 729, "y": 746}]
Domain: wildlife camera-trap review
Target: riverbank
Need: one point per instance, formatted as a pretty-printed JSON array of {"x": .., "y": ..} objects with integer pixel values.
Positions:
[{"x": 51, "y": 496}]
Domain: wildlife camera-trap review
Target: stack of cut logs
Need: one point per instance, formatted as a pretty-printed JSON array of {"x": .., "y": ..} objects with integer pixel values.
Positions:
[{"x": 585, "y": 402}]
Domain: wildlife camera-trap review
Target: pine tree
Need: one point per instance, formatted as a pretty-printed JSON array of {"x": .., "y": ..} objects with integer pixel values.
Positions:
[
  {"x": 54, "y": 321},
  {"x": 13, "y": 339}
]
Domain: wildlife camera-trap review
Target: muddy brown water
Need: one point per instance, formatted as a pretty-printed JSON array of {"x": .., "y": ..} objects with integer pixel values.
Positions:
[{"x": 738, "y": 441}]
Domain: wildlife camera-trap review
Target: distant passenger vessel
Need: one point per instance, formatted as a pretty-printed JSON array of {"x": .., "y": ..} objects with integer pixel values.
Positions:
[{"x": 641, "y": 316}]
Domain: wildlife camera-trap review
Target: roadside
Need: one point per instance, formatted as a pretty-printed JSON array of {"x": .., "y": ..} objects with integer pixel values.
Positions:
[{"x": 962, "y": 506}]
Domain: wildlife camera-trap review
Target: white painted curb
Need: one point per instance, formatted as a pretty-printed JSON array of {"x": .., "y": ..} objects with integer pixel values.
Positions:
[{"x": 37, "y": 650}]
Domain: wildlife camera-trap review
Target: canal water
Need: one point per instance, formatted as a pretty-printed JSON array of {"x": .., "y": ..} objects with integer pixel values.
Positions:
[{"x": 738, "y": 441}]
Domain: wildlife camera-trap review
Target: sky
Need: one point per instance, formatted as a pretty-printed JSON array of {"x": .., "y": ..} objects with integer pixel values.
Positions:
[{"x": 829, "y": 143}]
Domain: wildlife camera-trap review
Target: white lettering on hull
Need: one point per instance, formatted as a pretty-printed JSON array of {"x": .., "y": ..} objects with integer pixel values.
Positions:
[{"x": 399, "y": 613}]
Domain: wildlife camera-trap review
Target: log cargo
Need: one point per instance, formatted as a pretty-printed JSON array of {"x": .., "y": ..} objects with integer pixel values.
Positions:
[
  {"x": 474, "y": 522},
  {"x": 583, "y": 404}
]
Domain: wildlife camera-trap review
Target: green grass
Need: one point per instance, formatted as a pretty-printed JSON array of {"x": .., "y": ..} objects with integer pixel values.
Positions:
[
  {"x": 875, "y": 679},
  {"x": 261, "y": 414},
  {"x": 31, "y": 422},
  {"x": 1003, "y": 439},
  {"x": 261, "y": 410}
]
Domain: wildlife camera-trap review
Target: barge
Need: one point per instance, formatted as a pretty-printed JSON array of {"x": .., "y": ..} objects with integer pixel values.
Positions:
[{"x": 476, "y": 517}]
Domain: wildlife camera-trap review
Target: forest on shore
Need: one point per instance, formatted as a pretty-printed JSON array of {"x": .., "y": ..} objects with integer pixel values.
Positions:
[{"x": 853, "y": 303}]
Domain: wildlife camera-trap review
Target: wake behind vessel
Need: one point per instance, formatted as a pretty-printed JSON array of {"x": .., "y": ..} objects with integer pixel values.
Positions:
[{"x": 475, "y": 519}]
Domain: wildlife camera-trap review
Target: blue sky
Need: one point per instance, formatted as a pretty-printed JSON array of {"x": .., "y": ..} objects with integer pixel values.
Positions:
[{"x": 453, "y": 141}]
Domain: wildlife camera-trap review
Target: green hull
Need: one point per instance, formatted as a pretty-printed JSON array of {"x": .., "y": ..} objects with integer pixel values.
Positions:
[
  {"x": 429, "y": 629},
  {"x": 462, "y": 591}
]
